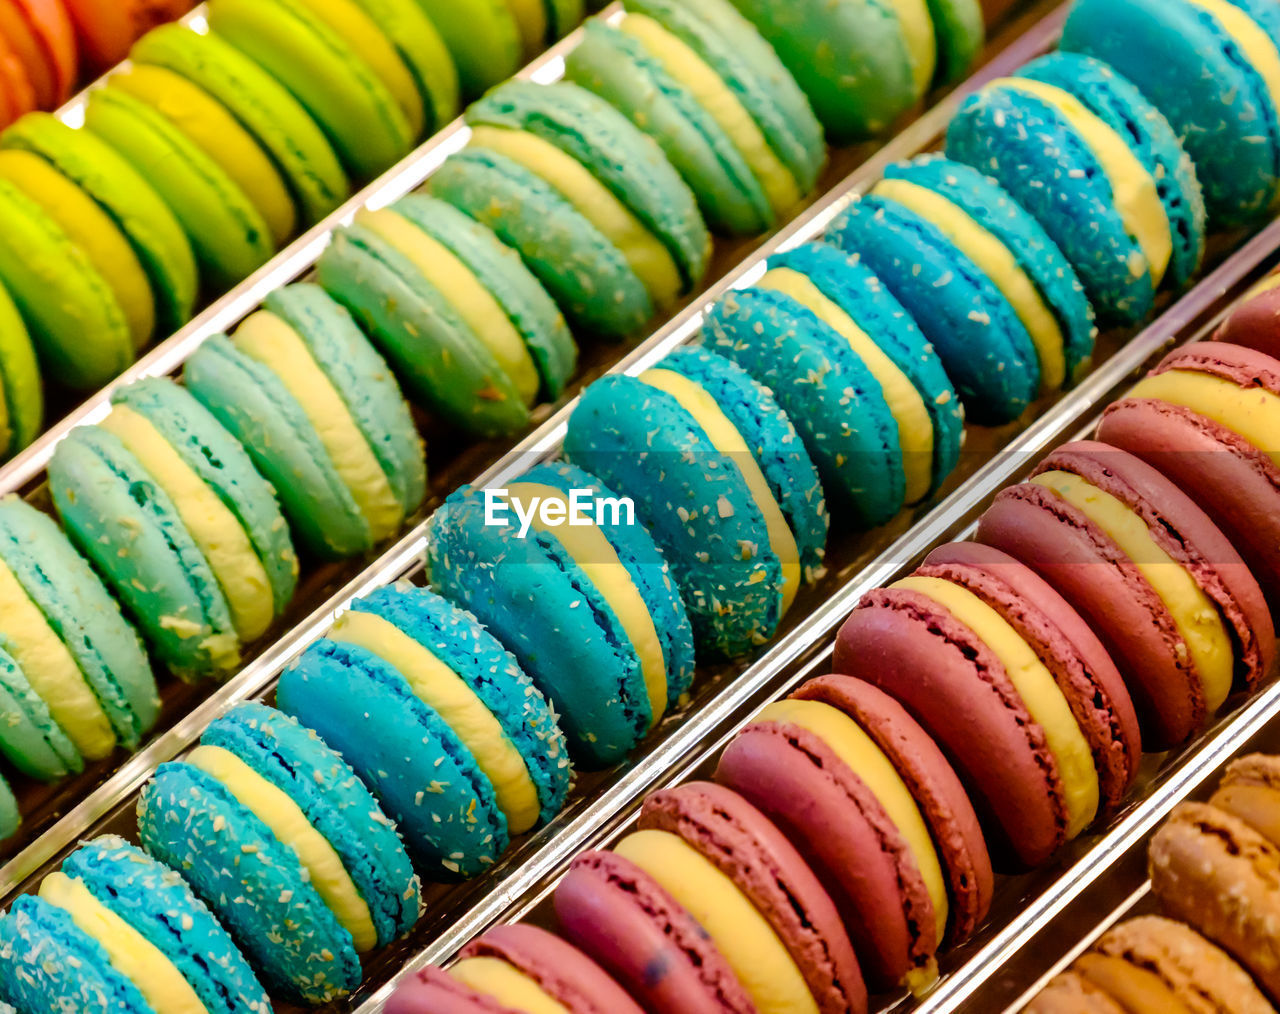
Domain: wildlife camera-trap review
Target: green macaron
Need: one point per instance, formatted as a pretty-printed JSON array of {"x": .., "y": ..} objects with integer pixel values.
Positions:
[
  {"x": 425, "y": 55},
  {"x": 22, "y": 413},
  {"x": 482, "y": 35}
]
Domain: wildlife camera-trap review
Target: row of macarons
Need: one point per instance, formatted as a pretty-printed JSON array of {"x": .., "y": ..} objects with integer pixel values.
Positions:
[{"x": 1212, "y": 867}]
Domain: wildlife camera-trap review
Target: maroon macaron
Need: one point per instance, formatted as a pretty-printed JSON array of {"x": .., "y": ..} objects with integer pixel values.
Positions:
[
  {"x": 742, "y": 844},
  {"x": 914, "y": 648},
  {"x": 1235, "y": 481},
  {"x": 1071, "y": 551},
  {"x": 1254, "y": 322},
  {"x": 433, "y": 991},
  {"x": 625, "y": 920}
]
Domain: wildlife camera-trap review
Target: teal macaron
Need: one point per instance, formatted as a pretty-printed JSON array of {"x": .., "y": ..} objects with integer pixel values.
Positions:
[
  {"x": 322, "y": 417},
  {"x": 279, "y": 837},
  {"x": 748, "y": 143},
  {"x": 590, "y": 611},
  {"x": 138, "y": 914},
  {"x": 172, "y": 511},
  {"x": 31, "y": 740},
  {"x": 1213, "y": 70},
  {"x": 20, "y": 389},
  {"x": 471, "y": 332},
  {"x": 73, "y": 646}
]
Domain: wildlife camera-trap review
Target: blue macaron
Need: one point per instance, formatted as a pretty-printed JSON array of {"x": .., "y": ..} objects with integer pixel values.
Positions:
[
  {"x": 611, "y": 651},
  {"x": 1211, "y": 76}
]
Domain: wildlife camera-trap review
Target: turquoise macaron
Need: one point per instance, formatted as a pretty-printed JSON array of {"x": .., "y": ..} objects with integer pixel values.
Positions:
[
  {"x": 30, "y": 738},
  {"x": 75, "y": 650},
  {"x": 1213, "y": 71},
  {"x": 420, "y": 770},
  {"x": 747, "y": 143},
  {"x": 169, "y": 507},
  {"x": 322, "y": 417},
  {"x": 468, "y": 328},
  {"x": 124, "y": 893},
  {"x": 709, "y": 458},
  {"x": 589, "y": 611},
  {"x": 255, "y": 817}
]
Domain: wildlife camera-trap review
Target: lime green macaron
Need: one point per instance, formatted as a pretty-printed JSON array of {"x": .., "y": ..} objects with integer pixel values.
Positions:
[
  {"x": 482, "y": 35},
  {"x": 21, "y": 398}
]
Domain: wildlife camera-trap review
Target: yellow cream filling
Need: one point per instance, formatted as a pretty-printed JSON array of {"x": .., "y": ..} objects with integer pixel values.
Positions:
[
  {"x": 474, "y": 303},
  {"x": 1137, "y": 199},
  {"x": 915, "y": 426},
  {"x": 726, "y": 439},
  {"x": 1271, "y": 281},
  {"x": 89, "y": 228},
  {"x": 219, "y": 135},
  {"x": 999, "y": 264},
  {"x": 591, "y": 550},
  {"x": 285, "y": 819},
  {"x": 531, "y": 18},
  {"x": 360, "y": 32},
  {"x": 448, "y": 694},
  {"x": 642, "y": 250},
  {"x": 860, "y": 755},
  {"x": 1194, "y": 613},
  {"x": 272, "y": 342},
  {"x": 1037, "y": 688},
  {"x": 52, "y": 671},
  {"x": 686, "y": 66},
  {"x": 1252, "y": 413},
  {"x": 922, "y": 43},
  {"x": 131, "y": 954},
  {"x": 1254, "y": 42},
  {"x": 509, "y": 987},
  {"x": 749, "y": 944},
  {"x": 218, "y": 533}
]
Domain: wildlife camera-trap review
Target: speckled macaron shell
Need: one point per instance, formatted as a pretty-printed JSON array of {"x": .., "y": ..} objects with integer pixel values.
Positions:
[
  {"x": 335, "y": 802},
  {"x": 1254, "y": 322},
  {"x": 643, "y": 444},
  {"x": 583, "y": 271},
  {"x": 1119, "y": 104},
  {"x": 422, "y": 774},
  {"x": 982, "y": 343},
  {"x": 1216, "y": 100},
  {"x": 629, "y": 163},
  {"x": 48, "y": 963},
  {"x": 933, "y": 784},
  {"x": 832, "y": 398},
  {"x": 455, "y": 637},
  {"x": 776, "y": 446},
  {"x": 225, "y": 467},
  {"x": 1023, "y": 142},
  {"x": 159, "y": 905},
  {"x": 30, "y": 738},
  {"x": 84, "y": 615},
  {"x": 988, "y": 204},
  {"x": 128, "y": 526},
  {"x": 255, "y": 885},
  {"x": 628, "y": 924}
]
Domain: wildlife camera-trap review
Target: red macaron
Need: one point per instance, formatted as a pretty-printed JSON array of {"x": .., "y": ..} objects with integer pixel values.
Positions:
[{"x": 1254, "y": 322}]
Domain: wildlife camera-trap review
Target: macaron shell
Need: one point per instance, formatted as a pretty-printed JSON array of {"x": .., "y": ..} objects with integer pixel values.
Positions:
[
  {"x": 19, "y": 379},
  {"x": 483, "y": 37},
  {"x": 105, "y": 31},
  {"x": 961, "y": 32},
  {"x": 31, "y": 740},
  {"x": 1255, "y": 321},
  {"x": 52, "y": 26},
  {"x": 424, "y": 53},
  {"x": 17, "y": 96},
  {"x": 34, "y": 69},
  {"x": 434, "y": 991},
  {"x": 10, "y": 816}
]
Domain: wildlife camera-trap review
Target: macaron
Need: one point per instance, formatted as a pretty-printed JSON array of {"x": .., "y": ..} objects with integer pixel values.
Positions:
[
  {"x": 21, "y": 395},
  {"x": 863, "y": 66},
  {"x": 721, "y": 480},
  {"x": 10, "y": 815},
  {"x": 171, "y": 510},
  {"x": 1201, "y": 418},
  {"x": 296, "y": 145},
  {"x": 867, "y": 797},
  {"x": 483, "y": 37},
  {"x": 321, "y": 416},
  {"x": 517, "y": 967},
  {"x": 75, "y": 650},
  {"x": 629, "y": 924},
  {"x": 1105, "y": 210},
  {"x": 470, "y": 330},
  {"x": 458, "y": 670},
  {"x": 1254, "y": 321},
  {"x": 1150, "y": 963},
  {"x": 105, "y": 31},
  {"x": 421, "y": 771},
  {"x": 610, "y": 670},
  {"x": 864, "y": 388},
  {"x": 1165, "y": 591},
  {"x": 1017, "y": 690},
  {"x": 230, "y": 237},
  {"x": 1216, "y": 79},
  {"x": 319, "y": 61},
  {"x": 706, "y": 86},
  {"x": 152, "y": 229},
  {"x": 18, "y": 95},
  {"x": 708, "y": 831},
  {"x": 31, "y": 740},
  {"x": 284, "y": 843},
  {"x": 988, "y": 287},
  {"x": 41, "y": 34},
  {"x": 141, "y": 923}
]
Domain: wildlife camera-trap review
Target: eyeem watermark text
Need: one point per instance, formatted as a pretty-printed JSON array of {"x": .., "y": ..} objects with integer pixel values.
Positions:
[{"x": 579, "y": 508}]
